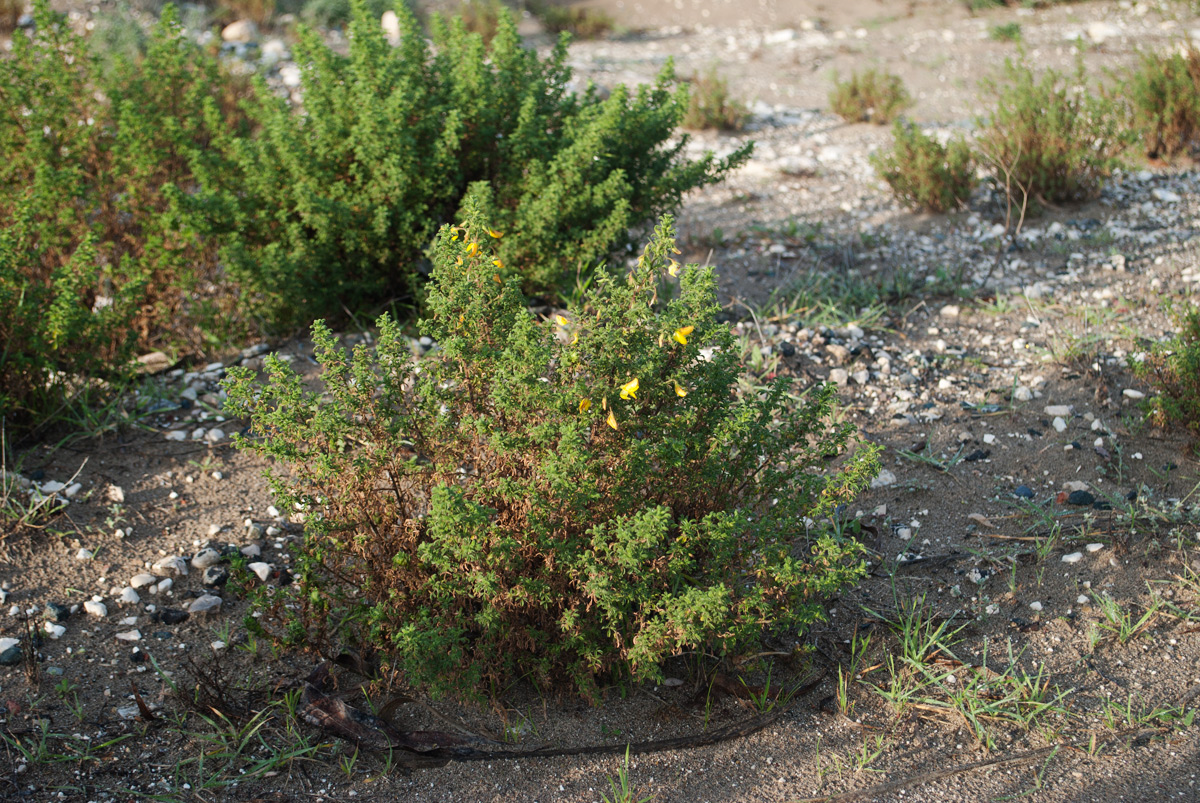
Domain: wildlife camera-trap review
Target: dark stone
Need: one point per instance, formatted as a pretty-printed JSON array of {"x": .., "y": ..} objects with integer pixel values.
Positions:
[
  {"x": 215, "y": 576},
  {"x": 55, "y": 612},
  {"x": 978, "y": 454},
  {"x": 163, "y": 635},
  {"x": 1037, "y": 433},
  {"x": 1080, "y": 498},
  {"x": 231, "y": 551},
  {"x": 787, "y": 349},
  {"x": 11, "y": 657},
  {"x": 1131, "y": 496},
  {"x": 282, "y": 577},
  {"x": 137, "y": 656},
  {"x": 171, "y": 616},
  {"x": 1023, "y": 491},
  {"x": 37, "y": 475},
  {"x": 1075, "y": 445},
  {"x": 1101, "y": 504}
]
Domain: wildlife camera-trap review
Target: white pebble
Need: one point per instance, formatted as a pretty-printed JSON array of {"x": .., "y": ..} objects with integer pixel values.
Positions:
[
  {"x": 1037, "y": 606},
  {"x": 1073, "y": 557},
  {"x": 129, "y": 635},
  {"x": 97, "y": 609},
  {"x": 164, "y": 585},
  {"x": 1130, "y": 393},
  {"x": 141, "y": 580},
  {"x": 1058, "y": 410},
  {"x": 204, "y": 604},
  {"x": 129, "y": 597},
  {"x": 1060, "y": 425},
  {"x": 1082, "y": 599},
  {"x": 1094, "y": 547},
  {"x": 84, "y": 554},
  {"x": 176, "y": 435},
  {"x": 263, "y": 570},
  {"x": 55, "y": 631}
]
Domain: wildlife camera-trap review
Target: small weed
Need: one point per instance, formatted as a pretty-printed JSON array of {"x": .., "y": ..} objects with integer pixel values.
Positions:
[
  {"x": 1005, "y": 32},
  {"x": 710, "y": 105},
  {"x": 1123, "y": 624},
  {"x": 871, "y": 96},
  {"x": 622, "y": 792},
  {"x": 581, "y": 23}
]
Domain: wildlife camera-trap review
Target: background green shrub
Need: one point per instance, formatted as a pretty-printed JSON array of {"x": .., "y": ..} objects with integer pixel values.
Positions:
[
  {"x": 1049, "y": 140},
  {"x": 570, "y": 501},
  {"x": 873, "y": 95},
  {"x": 1164, "y": 100},
  {"x": 87, "y": 188},
  {"x": 710, "y": 105},
  {"x": 1173, "y": 369},
  {"x": 332, "y": 209},
  {"x": 581, "y": 23},
  {"x": 51, "y": 340},
  {"x": 924, "y": 173}
]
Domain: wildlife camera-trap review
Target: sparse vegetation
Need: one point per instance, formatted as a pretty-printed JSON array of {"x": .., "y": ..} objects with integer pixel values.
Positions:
[
  {"x": 711, "y": 106},
  {"x": 580, "y": 22},
  {"x": 924, "y": 173},
  {"x": 871, "y": 96},
  {"x": 1048, "y": 140},
  {"x": 1005, "y": 32},
  {"x": 1163, "y": 94},
  {"x": 1173, "y": 368}
]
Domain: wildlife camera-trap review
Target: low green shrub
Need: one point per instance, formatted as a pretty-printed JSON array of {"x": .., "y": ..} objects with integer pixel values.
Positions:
[
  {"x": 924, "y": 173},
  {"x": 332, "y": 208},
  {"x": 1049, "y": 140},
  {"x": 1163, "y": 94},
  {"x": 873, "y": 95},
  {"x": 711, "y": 106},
  {"x": 93, "y": 158},
  {"x": 51, "y": 338},
  {"x": 338, "y": 13},
  {"x": 569, "y": 501},
  {"x": 1005, "y": 32},
  {"x": 581, "y": 23},
  {"x": 1173, "y": 369}
]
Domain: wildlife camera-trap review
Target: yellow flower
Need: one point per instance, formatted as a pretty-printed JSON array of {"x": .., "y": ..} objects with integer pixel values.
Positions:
[
  {"x": 574, "y": 338},
  {"x": 673, "y": 268},
  {"x": 675, "y": 250},
  {"x": 496, "y": 278},
  {"x": 497, "y": 263},
  {"x": 680, "y": 390},
  {"x": 612, "y": 419},
  {"x": 681, "y": 335},
  {"x": 641, "y": 259},
  {"x": 495, "y": 234},
  {"x": 561, "y": 321},
  {"x": 458, "y": 261},
  {"x": 585, "y": 405},
  {"x": 629, "y": 389},
  {"x": 473, "y": 250}
]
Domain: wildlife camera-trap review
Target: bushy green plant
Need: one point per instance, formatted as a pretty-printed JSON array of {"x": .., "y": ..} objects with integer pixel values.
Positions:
[
  {"x": 924, "y": 173},
  {"x": 1173, "y": 369},
  {"x": 55, "y": 332},
  {"x": 571, "y": 500},
  {"x": 1049, "y": 140},
  {"x": 872, "y": 95},
  {"x": 1163, "y": 94},
  {"x": 711, "y": 106},
  {"x": 92, "y": 160},
  {"x": 332, "y": 208},
  {"x": 581, "y": 23}
]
